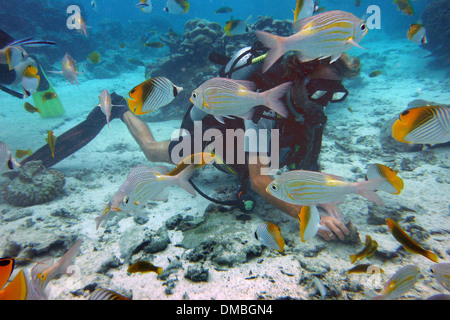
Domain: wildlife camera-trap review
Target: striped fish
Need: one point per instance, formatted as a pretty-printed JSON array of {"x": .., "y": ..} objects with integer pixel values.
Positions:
[
  {"x": 442, "y": 274},
  {"x": 30, "y": 81},
  {"x": 7, "y": 161},
  {"x": 269, "y": 234},
  {"x": 423, "y": 125},
  {"x": 392, "y": 184},
  {"x": 145, "y": 184},
  {"x": 311, "y": 188},
  {"x": 151, "y": 95},
  {"x": 328, "y": 34},
  {"x": 400, "y": 283},
  {"x": 223, "y": 97},
  {"x": 105, "y": 294}
]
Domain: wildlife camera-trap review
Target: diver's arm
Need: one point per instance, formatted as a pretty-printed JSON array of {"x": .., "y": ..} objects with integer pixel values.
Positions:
[
  {"x": 154, "y": 151},
  {"x": 259, "y": 184}
]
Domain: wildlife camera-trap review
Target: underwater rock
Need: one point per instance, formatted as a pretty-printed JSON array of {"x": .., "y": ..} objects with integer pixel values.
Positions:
[
  {"x": 135, "y": 240},
  {"x": 33, "y": 184},
  {"x": 197, "y": 273},
  {"x": 211, "y": 240}
]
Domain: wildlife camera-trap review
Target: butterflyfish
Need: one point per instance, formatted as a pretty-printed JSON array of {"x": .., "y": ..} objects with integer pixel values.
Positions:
[
  {"x": 309, "y": 220},
  {"x": 417, "y": 34},
  {"x": 105, "y": 294},
  {"x": 393, "y": 184},
  {"x": 177, "y": 6},
  {"x": 269, "y": 235}
]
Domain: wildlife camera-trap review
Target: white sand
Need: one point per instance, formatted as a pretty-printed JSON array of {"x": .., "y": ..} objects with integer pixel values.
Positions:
[{"x": 404, "y": 78}]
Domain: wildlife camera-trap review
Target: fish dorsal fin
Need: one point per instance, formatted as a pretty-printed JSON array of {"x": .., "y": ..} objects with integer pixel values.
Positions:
[{"x": 304, "y": 24}]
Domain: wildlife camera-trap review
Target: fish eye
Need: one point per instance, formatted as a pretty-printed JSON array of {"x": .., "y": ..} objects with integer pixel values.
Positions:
[
  {"x": 404, "y": 113},
  {"x": 125, "y": 200},
  {"x": 363, "y": 27},
  {"x": 194, "y": 95},
  {"x": 274, "y": 187}
]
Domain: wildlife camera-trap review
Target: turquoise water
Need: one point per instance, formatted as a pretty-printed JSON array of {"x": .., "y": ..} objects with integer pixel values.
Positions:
[{"x": 209, "y": 251}]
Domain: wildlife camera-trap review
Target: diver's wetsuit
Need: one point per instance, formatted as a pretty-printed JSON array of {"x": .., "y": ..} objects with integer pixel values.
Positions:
[{"x": 80, "y": 135}]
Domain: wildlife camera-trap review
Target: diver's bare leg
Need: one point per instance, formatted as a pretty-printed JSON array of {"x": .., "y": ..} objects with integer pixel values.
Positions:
[{"x": 154, "y": 151}]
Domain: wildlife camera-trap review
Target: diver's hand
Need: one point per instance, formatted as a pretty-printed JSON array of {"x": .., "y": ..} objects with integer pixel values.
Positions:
[
  {"x": 331, "y": 209},
  {"x": 336, "y": 226},
  {"x": 119, "y": 106}
]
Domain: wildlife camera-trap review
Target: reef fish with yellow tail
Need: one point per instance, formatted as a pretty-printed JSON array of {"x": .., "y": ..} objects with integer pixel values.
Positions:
[
  {"x": 423, "y": 125},
  {"x": 144, "y": 267},
  {"x": 369, "y": 249},
  {"x": 311, "y": 188},
  {"x": 223, "y": 97},
  {"x": 393, "y": 183},
  {"x": 328, "y": 34},
  {"x": 441, "y": 272},
  {"x": 22, "y": 153},
  {"x": 69, "y": 69},
  {"x": 177, "y": 6},
  {"x": 144, "y": 183},
  {"x": 44, "y": 271},
  {"x": 51, "y": 141},
  {"x": 408, "y": 243},
  {"x": 400, "y": 283},
  {"x": 405, "y": 7},
  {"x": 49, "y": 96},
  {"x": 151, "y": 95},
  {"x": 269, "y": 234},
  {"x": 417, "y": 34},
  {"x": 94, "y": 57},
  {"x": 30, "y": 108}
]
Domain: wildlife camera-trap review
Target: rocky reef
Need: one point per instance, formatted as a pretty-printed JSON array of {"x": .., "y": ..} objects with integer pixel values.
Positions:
[
  {"x": 33, "y": 184},
  {"x": 434, "y": 19}
]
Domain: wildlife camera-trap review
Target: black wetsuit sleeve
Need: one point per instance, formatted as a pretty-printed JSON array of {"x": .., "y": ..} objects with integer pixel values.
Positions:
[{"x": 76, "y": 138}]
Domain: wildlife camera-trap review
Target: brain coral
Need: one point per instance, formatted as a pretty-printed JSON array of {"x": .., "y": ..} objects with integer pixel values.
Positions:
[{"x": 33, "y": 184}]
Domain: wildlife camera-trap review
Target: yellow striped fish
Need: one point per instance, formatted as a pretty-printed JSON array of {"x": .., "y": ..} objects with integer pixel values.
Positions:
[
  {"x": 328, "y": 34},
  {"x": 151, "y": 95},
  {"x": 423, "y": 125},
  {"x": 144, "y": 184},
  {"x": 442, "y": 274},
  {"x": 223, "y": 97},
  {"x": 307, "y": 188},
  {"x": 393, "y": 183},
  {"x": 400, "y": 283},
  {"x": 269, "y": 234}
]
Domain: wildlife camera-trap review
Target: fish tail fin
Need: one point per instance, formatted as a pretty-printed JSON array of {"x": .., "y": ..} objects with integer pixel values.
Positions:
[
  {"x": 273, "y": 98},
  {"x": 353, "y": 258},
  {"x": 66, "y": 261},
  {"x": 276, "y": 48},
  {"x": 367, "y": 190},
  {"x": 432, "y": 256},
  {"x": 183, "y": 179}
]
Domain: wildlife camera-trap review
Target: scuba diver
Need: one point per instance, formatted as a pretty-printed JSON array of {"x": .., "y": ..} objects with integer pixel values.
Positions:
[
  {"x": 18, "y": 67},
  {"x": 314, "y": 85}
]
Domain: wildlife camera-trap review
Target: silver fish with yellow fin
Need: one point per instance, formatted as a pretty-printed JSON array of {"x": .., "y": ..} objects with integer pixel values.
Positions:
[
  {"x": 328, "y": 34},
  {"x": 308, "y": 188},
  {"x": 223, "y": 97}
]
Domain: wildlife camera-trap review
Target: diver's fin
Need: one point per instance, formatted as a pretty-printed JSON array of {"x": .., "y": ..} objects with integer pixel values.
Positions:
[{"x": 52, "y": 107}]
